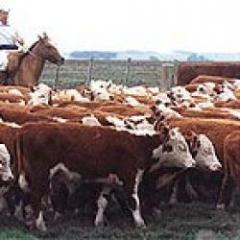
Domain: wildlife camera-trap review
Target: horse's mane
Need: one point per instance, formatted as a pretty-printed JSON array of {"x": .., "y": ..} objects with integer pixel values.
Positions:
[
  {"x": 33, "y": 45},
  {"x": 26, "y": 53}
]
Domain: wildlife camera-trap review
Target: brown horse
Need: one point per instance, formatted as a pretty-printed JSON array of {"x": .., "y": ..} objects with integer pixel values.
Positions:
[{"x": 25, "y": 69}]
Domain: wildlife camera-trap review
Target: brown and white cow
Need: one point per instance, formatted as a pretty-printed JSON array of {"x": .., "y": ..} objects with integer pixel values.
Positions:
[
  {"x": 92, "y": 152},
  {"x": 231, "y": 174}
]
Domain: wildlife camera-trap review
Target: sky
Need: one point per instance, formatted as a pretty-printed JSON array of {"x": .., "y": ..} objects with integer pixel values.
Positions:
[{"x": 118, "y": 25}]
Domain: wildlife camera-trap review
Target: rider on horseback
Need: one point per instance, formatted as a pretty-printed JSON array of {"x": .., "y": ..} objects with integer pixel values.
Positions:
[{"x": 9, "y": 40}]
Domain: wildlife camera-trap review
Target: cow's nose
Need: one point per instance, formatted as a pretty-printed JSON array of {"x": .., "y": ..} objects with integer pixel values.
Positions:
[{"x": 216, "y": 167}]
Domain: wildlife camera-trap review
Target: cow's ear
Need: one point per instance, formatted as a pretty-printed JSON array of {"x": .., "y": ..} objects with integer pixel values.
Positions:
[
  {"x": 191, "y": 135},
  {"x": 32, "y": 88},
  {"x": 167, "y": 148}
]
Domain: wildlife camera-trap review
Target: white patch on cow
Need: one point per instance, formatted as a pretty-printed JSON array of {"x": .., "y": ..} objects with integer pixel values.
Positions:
[
  {"x": 179, "y": 154},
  {"x": 91, "y": 121},
  {"x": 15, "y": 91},
  {"x": 70, "y": 177},
  {"x": 132, "y": 101},
  {"x": 139, "y": 129},
  {"x": 234, "y": 112},
  {"x": 102, "y": 203},
  {"x": 137, "y": 118},
  {"x": 60, "y": 166},
  {"x": 166, "y": 112},
  {"x": 205, "y": 90},
  {"x": 205, "y": 104},
  {"x": 40, "y": 95},
  {"x": 226, "y": 96},
  {"x": 5, "y": 169},
  {"x": 163, "y": 99},
  {"x": 10, "y": 124},
  {"x": 136, "y": 90},
  {"x": 100, "y": 90},
  {"x": 180, "y": 93},
  {"x": 59, "y": 119},
  {"x": 71, "y": 95},
  {"x": 154, "y": 90},
  {"x": 23, "y": 184},
  {"x": 116, "y": 121},
  {"x": 136, "y": 213},
  {"x": 206, "y": 156},
  {"x": 40, "y": 224},
  {"x": 236, "y": 83}
]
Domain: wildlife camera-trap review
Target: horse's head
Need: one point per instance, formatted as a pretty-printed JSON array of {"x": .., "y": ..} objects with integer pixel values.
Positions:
[{"x": 45, "y": 49}]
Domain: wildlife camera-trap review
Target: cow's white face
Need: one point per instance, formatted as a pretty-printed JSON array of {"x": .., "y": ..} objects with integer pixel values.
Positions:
[
  {"x": 162, "y": 112},
  {"x": 163, "y": 99},
  {"x": 40, "y": 95},
  {"x": 205, "y": 154},
  {"x": 180, "y": 93},
  {"x": 6, "y": 174},
  {"x": 174, "y": 152},
  {"x": 205, "y": 89}
]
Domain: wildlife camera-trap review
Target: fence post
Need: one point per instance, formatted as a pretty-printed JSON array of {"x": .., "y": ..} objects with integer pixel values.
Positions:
[
  {"x": 167, "y": 74},
  {"x": 90, "y": 68},
  {"x": 56, "y": 80},
  {"x": 128, "y": 68}
]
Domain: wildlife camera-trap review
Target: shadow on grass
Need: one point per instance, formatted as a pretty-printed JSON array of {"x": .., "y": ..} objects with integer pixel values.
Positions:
[{"x": 178, "y": 222}]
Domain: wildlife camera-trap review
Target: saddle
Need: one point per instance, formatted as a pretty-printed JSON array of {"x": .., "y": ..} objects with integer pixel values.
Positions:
[{"x": 13, "y": 61}]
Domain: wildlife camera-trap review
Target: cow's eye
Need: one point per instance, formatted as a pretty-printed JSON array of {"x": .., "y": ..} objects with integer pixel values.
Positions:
[
  {"x": 167, "y": 104},
  {"x": 182, "y": 147},
  {"x": 207, "y": 150}
]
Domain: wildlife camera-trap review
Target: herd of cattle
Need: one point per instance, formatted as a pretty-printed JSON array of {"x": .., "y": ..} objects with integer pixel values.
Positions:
[{"x": 63, "y": 150}]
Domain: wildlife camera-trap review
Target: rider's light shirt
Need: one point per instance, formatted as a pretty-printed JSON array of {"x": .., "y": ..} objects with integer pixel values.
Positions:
[{"x": 8, "y": 35}]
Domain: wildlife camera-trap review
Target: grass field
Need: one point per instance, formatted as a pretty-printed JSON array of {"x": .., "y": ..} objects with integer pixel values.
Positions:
[{"x": 178, "y": 222}]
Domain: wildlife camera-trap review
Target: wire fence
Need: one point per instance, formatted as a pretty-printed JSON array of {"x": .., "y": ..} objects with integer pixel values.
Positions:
[{"x": 129, "y": 72}]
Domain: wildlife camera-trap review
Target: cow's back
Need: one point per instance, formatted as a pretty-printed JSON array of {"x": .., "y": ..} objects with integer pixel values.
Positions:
[{"x": 187, "y": 71}]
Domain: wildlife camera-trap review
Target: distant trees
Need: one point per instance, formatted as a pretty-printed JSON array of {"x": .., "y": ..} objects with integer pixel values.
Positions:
[
  {"x": 194, "y": 57},
  {"x": 93, "y": 54}
]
